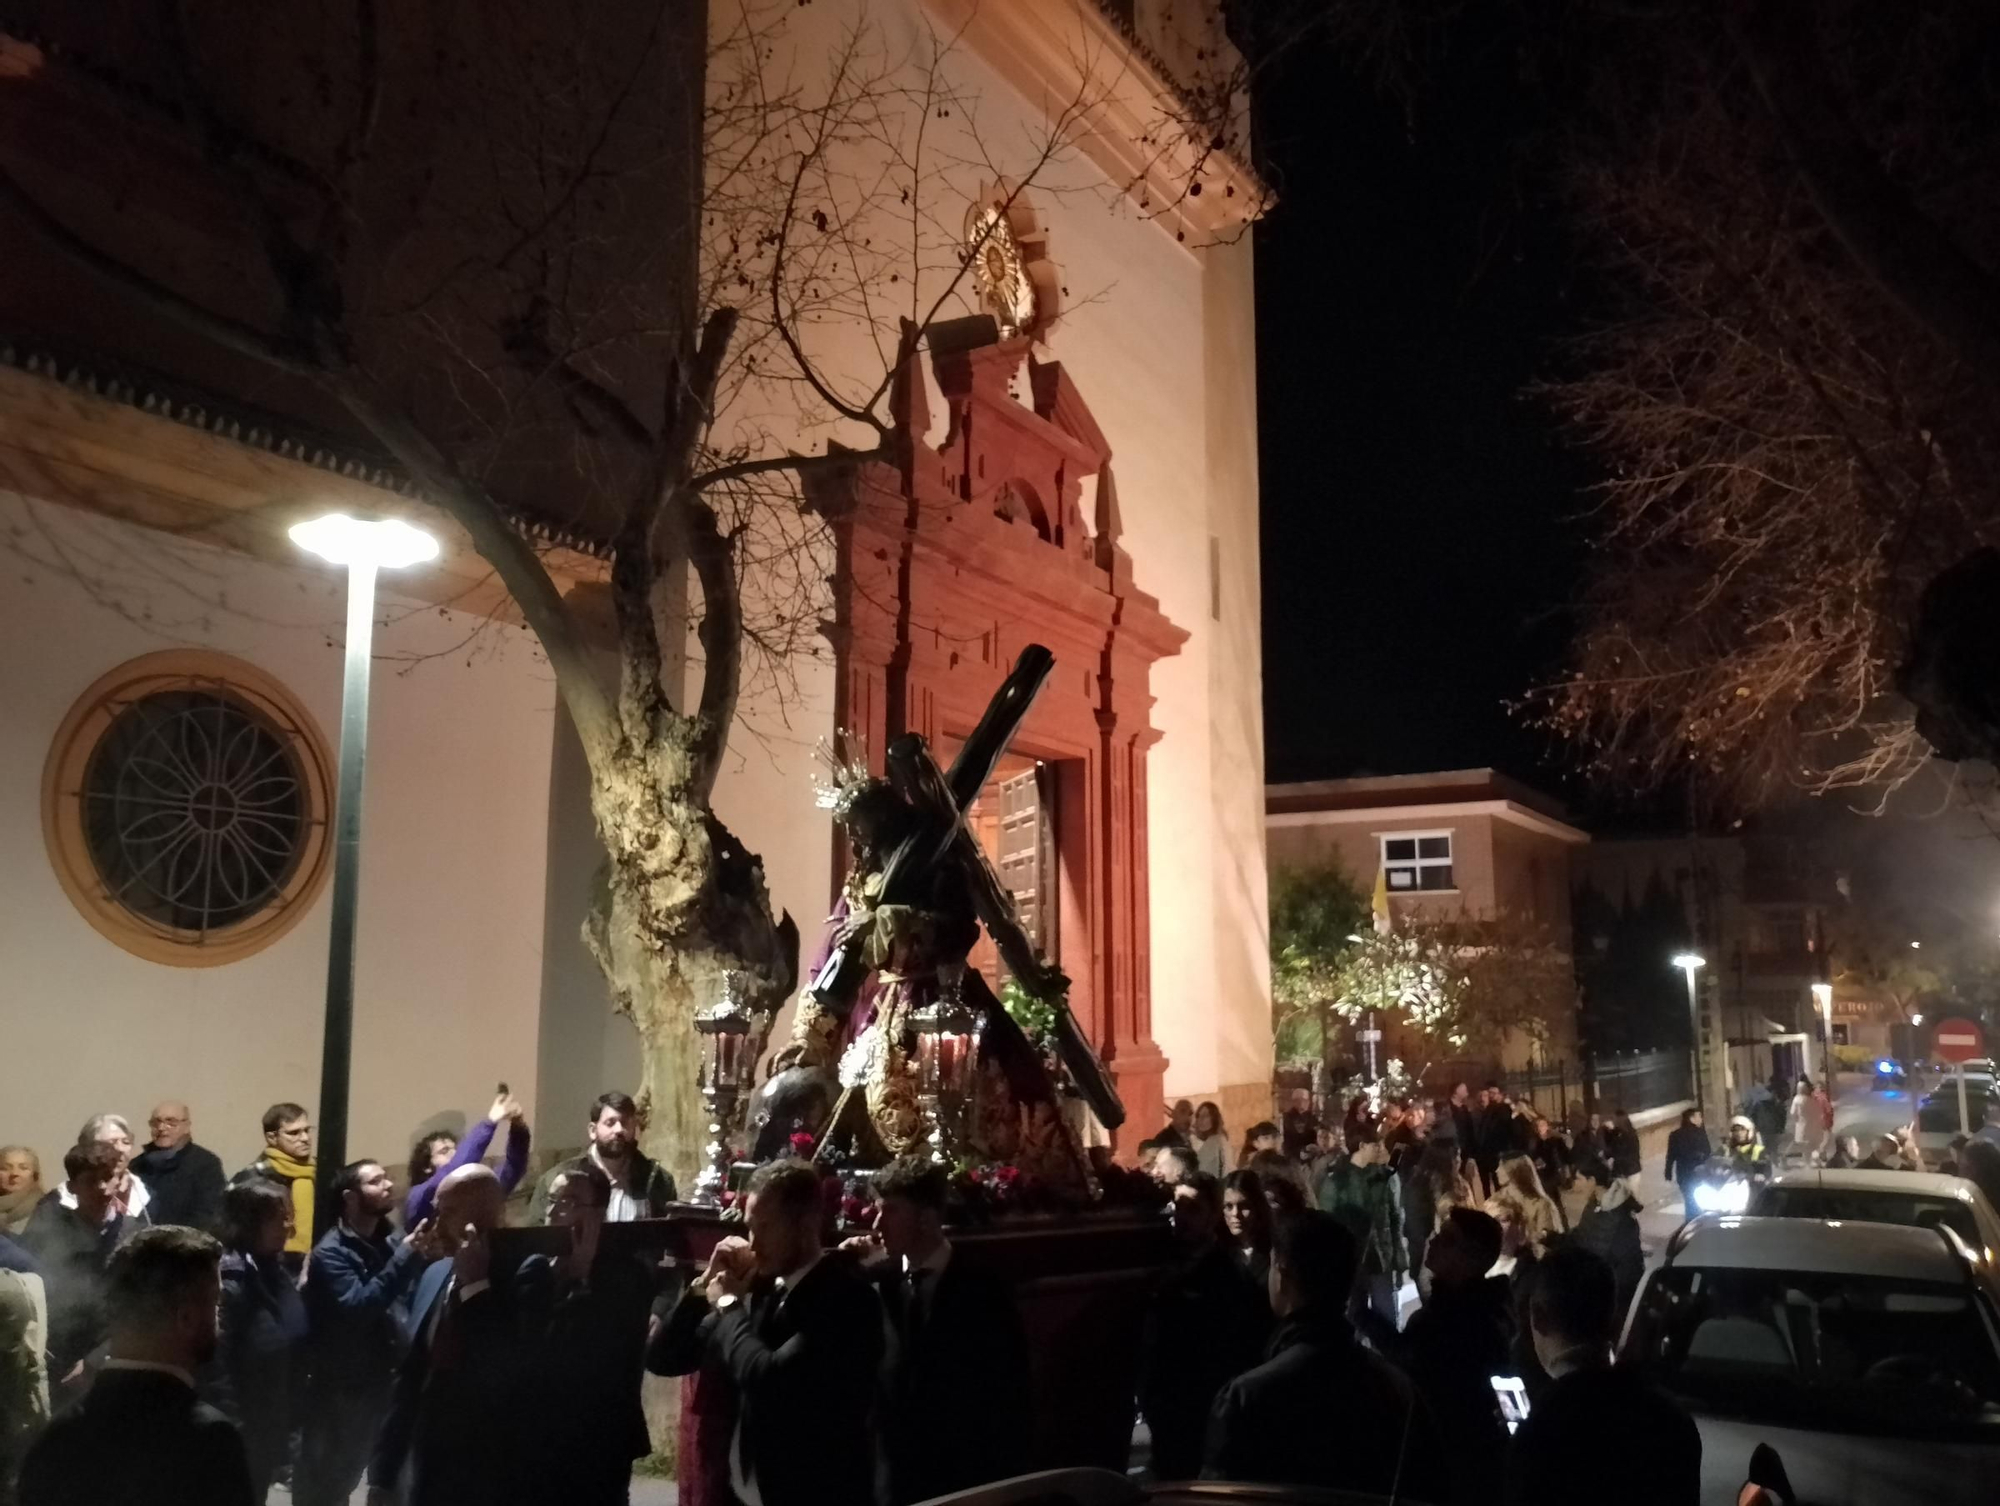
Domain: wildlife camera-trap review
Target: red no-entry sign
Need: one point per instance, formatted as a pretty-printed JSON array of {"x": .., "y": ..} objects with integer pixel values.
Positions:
[{"x": 1958, "y": 1041}]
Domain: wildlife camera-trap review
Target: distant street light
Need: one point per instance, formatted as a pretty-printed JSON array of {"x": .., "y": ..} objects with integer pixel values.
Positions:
[
  {"x": 1690, "y": 963},
  {"x": 1823, "y": 996},
  {"x": 364, "y": 547}
]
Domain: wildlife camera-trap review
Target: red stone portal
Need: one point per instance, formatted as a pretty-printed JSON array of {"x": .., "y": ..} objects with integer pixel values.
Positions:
[{"x": 949, "y": 561}]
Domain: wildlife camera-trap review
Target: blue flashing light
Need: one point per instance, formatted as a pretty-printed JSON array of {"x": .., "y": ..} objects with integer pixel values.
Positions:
[{"x": 1885, "y": 1067}]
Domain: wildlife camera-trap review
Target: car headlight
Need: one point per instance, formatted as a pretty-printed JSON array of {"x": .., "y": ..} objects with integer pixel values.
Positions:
[{"x": 1732, "y": 1196}]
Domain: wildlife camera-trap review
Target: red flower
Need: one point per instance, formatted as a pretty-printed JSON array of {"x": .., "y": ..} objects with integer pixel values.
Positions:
[
  {"x": 801, "y": 1144},
  {"x": 1008, "y": 1175},
  {"x": 975, "y": 1175}
]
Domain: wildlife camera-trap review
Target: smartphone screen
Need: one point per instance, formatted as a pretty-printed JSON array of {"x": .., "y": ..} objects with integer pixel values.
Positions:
[{"x": 1513, "y": 1397}]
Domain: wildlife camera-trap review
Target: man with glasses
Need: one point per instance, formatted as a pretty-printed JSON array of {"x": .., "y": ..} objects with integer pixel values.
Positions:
[
  {"x": 288, "y": 1161},
  {"x": 184, "y": 1178}
]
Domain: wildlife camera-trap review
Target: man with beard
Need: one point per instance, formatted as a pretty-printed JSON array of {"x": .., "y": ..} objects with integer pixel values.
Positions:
[
  {"x": 141, "y": 1438},
  {"x": 356, "y": 1303},
  {"x": 640, "y": 1186}
]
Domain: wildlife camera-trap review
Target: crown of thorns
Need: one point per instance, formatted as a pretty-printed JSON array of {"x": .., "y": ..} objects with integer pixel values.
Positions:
[{"x": 843, "y": 774}]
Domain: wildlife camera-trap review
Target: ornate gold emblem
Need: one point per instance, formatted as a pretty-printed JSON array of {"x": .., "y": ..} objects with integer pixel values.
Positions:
[{"x": 1016, "y": 282}]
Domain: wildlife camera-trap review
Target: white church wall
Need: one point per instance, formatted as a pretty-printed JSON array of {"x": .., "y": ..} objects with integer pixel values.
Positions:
[
  {"x": 454, "y": 835},
  {"x": 1159, "y": 339}
]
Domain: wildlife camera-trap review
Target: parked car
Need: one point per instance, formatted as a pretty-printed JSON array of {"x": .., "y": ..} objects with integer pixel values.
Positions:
[
  {"x": 1866, "y": 1354},
  {"x": 1937, "y": 1117},
  {"x": 1912, "y": 1198}
]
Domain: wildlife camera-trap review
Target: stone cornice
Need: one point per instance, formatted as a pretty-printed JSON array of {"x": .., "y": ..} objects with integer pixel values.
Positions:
[{"x": 1056, "y": 52}]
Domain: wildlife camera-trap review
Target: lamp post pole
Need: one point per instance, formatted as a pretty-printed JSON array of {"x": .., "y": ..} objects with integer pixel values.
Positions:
[
  {"x": 364, "y": 548},
  {"x": 337, "y": 1039},
  {"x": 1690, "y": 964}
]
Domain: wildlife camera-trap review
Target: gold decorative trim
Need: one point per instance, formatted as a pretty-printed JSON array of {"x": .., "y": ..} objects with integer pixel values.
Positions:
[{"x": 62, "y": 818}]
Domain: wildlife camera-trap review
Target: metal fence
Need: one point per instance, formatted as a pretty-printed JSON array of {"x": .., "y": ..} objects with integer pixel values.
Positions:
[{"x": 1627, "y": 1082}]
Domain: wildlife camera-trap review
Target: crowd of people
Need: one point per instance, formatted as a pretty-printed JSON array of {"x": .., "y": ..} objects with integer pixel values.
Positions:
[
  {"x": 179, "y": 1341},
  {"x": 1289, "y": 1294},
  {"x": 148, "y": 1296}
]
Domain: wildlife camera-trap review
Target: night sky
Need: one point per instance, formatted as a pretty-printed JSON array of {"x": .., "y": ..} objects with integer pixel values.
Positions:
[{"x": 1420, "y": 512}]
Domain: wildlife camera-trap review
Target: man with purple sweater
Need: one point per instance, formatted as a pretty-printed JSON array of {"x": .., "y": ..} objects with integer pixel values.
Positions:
[{"x": 438, "y": 1156}]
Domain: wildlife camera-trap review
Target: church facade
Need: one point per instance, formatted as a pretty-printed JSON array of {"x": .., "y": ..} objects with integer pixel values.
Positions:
[{"x": 172, "y": 666}]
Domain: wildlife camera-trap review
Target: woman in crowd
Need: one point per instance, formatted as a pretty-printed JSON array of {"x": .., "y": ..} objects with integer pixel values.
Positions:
[
  {"x": 1802, "y": 1120},
  {"x": 20, "y": 1187},
  {"x": 437, "y": 1156},
  {"x": 1436, "y": 1187},
  {"x": 1609, "y": 1228},
  {"x": 1263, "y": 1136},
  {"x": 259, "y": 1362},
  {"x": 130, "y": 1195},
  {"x": 1527, "y": 1215},
  {"x": 1284, "y": 1187},
  {"x": 1211, "y": 1141},
  {"x": 1357, "y": 1115},
  {"x": 1246, "y": 1214}
]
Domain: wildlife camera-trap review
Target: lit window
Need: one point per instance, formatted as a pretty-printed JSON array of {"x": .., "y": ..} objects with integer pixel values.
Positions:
[{"x": 1419, "y": 861}]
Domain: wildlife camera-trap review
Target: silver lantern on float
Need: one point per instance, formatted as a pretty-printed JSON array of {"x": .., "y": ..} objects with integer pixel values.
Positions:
[
  {"x": 948, "y": 1034},
  {"x": 725, "y": 1072}
]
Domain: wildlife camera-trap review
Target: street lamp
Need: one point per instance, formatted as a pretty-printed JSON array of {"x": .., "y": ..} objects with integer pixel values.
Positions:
[
  {"x": 1823, "y": 996},
  {"x": 364, "y": 546},
  {"x": 1690, "y": 963}
]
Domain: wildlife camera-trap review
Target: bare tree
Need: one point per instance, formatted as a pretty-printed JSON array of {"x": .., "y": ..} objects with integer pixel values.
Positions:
[
  {"x": 594, "y": 274},
  {"x": 1794, "y": 397}
]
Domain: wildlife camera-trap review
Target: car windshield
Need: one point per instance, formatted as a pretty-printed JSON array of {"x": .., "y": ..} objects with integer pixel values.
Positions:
[
  {"x": 1939, "y": 1114},
  {"x": 1826, "y": 1352},
  {"x": 1870, "y": 1207}
]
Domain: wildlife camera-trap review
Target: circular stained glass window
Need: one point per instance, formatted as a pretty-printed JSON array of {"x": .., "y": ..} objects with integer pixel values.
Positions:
[{"x": 187, "y": 808}]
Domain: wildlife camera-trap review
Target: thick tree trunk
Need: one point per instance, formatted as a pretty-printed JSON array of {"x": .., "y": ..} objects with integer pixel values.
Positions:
[{"x": 681, "y": 907}]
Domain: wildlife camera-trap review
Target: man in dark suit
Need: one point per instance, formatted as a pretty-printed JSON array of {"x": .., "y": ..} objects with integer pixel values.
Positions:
[
  {"x": 1458, "y": 1341},
  {"x": 1322, "y": 1410},
  {"x": 1493, "y": 1135},
  {"x": 586, "y": 1312},
  {"x": 141, "y": 1438},
  {"x": 464, "y": 1401},
  {"x": 956, "y": 1348},
  {"x": 799, "y": 1334},
  {"x": 1206, "y": 1323},
  {"x": 1595, "y": 1420},
  {"x": 185, "y": 1180}
]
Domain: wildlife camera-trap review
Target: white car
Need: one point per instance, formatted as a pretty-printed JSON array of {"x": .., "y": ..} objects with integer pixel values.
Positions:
[
  {"x": 1866, "y": 1354},
  {"x": 1918, "y": 1199},
  {"x": 1937, "y": 1118}
]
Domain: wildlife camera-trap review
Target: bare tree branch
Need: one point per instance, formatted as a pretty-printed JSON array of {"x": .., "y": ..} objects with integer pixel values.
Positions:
[{"x": 1905, "y": 251}]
